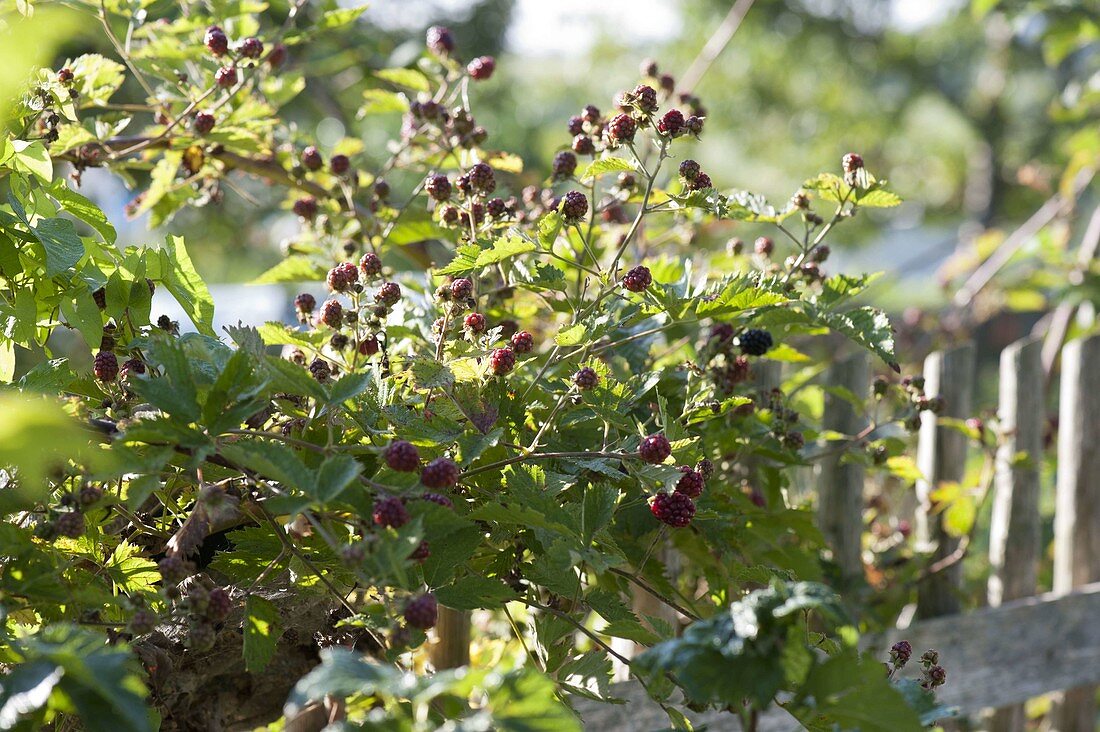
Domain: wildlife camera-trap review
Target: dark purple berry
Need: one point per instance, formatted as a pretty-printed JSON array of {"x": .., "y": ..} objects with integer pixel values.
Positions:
[
  {"x": 586, "y": 378},
  {"x": 622, "y": 129},
  {"x": 764, "y": 246},
  {"x": 440, "y": 40},
  {"x": 852, "y": 162},
  {"x": 702, "y": 182},
  {"x": 565, "y": 164},
  {"x": 645, "y": 97},
  {"x": 481, "y": 68},
  {"x": 105, "y": 366},
  {"x": 70, "y": 525},
  {"x": 462, "y": 288},
  {"x": 672, "y": 123},
  {"x": 381, "y": 189},
  {"x": 390, "y": 512},
  {"x": 502, "y": 361},
  {"x": 226, "y": 76},
  {"x": 439, "y": 474},
  {"x": 755, "y": 342},
  {"x": 306, "y": 207},
  {"x": 342, "y": 277},
  {"x": 689, "y": 169},
  {"x": 402, "y": 456},
  {"x": 422, "y": 612},
  {"x": 311, "y": 159},
  {"x": 203, "y": 122},
  {"x": 278, "y": 56},
  {"x": 496, "y": 208},
  {"x": 691, "y": 482},
  {"x": 252, "y": 47},
  {"x": 523, "y": 342},
  {"x": 339, "y": 164},
  {"x": 332, "y": 313},
  {"x": 693, "y": 125},
  {"x": 675, "y": 509},
  {"x": 65, "y": 75},
  {"x": 573, "y": 206},
  {"x": 320, "y": 370},
  {"x": 388, "y": 294},
  {"x": 422, "y": 552},
  {"x": 482, "y": 178},
  {"x": 638, "y": 279},
  {"x": 438, "y": 187},
  {"x": 474, "y": 322},
  {"x": 654, "y": 449},
  {"x": 218, "y": 605},
  {"x": 576, "y": 126},
  {"x": 439, "y": 500},
  {"x": 583, "y": 145},
  {"x": 371, "y": 265},
  {"x": 216, "y": 40}
]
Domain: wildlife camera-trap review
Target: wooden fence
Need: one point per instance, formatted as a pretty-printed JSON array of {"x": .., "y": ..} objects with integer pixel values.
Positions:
[{"x": 1021, "y": 645}]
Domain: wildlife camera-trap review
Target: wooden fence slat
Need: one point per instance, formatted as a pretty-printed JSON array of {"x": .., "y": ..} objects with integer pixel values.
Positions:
[
  {"x": 1077, "y": 505},
  {"x": 941, "y": 456},
  {"x": 1014, "y": 532},
  {"x": 452, "y": 650},
  {"x": 840, "y": 485}
]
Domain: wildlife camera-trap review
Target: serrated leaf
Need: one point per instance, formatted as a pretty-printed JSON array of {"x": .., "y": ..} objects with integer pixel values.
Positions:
[
  {"x": 334, "y": 475},
  {"x": 272, "y": 460},
  {"x": 63, "y": 245},
  {"x": 262, "y": 629},
  {"x": 295, "y": 268},
  {"x": 380, "y": 101},
  {"x": 603, "y": 166},
  {"x": 429, "y": 374},
  {"x": 571, "y": 336},
  {"x": 185, "y": 284},
  {"x": 409, "y": 78},
  {"x": 471, "y": 258},
  {"x": 474, "y": 592}
]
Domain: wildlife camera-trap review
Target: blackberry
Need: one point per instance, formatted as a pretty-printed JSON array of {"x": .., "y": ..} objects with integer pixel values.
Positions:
[
  {"x": 622, "y": 129},
  {"x": 332, "y": 313},
  {"x": 496, "y": 208},
  {"x": 900, "y": 653},
  {"x": 100, "y": 297},
  {"x": 422, "y": 612},
  {"x": 306, "y": 207},
  {"x": 675, "y": 509},
  {"x": 105, "y": 366},
  {"x": 820, "y": 253},
  {"x": 132, "y": 366},
  {"x": 390, "y": 512},
  {"x": 645, "y": 98},
  {"x": 591, "y": 114},
  {"x": 70, "y": 525},
  {"x": 481, "y": 68},
  {"x": 851, "y": 163},
  {"x": 203, "y": 122},
  {"x": 320, "y": 370},
  {"x": 226, "y": 76},
  {"x": 586, "y": 379},
  {"x": 438, "y": 499},
  {"x": 201, "y": 637},
  {"x": 422, "y": 552},
  {"x": 216, "y": 40},
  {"x": 388, "y": 294},
  {"x": 174, "y": 569},
  {"x": 438, "y": 187},
  {"x": 654, "y": 449},
  {"x": 693, "y": 125},
  {"x": 402, "y": 456},
  {"x": 649, "y": 68},
  {"x": 339, "y": 164},
  {"x": 462, "y": 289},
  {"x": 311, "y": 159},
  {"x": 251, "y": 47},
  {"x": 523, "y": 342},
  {"x": 142, "y": 622},
  {"x": 689, "y": 169},
  {"x": 574, "y": 206},
  {"x": 583, "y": 145},
  {"x": 339, "y": 341},
  {"x": 368, "y": 346},
  {"x": 219, "y": 605},
  {"x": 755, "y": 342},
  {"x": 564, "y": 165},
  {"x": 381, "y": 189},
  {"x": 371, "y": 265},
  {"x": 482, "y": 178},
  {"x": 440, "y": 40},
  {"x": 638, "y": 279},
  {"x": 439, "y": 473},
  {"x": 672, "y": 123},
  {"x": 474, "y": 322},
  {"x": 342, "y": 277},
  {"x": 691, "y": 483},
  {"x": 668, "y": 83},
  {"x": 576, "y": 126},
  {"x": 626, "y": 181},
  {"x": 278, "y": 56},
  {"x": 764, "y": 246},
  {"x": 701, "y": 182},
  {"x": 89, "y": 495},
  {"x": 65, "y": 75},
  {"x": 704, "y": 468},
  {"x": 502, "y": 361}
]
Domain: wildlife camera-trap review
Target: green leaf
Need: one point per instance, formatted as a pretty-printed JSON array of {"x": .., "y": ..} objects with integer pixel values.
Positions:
[
  {"x": 83, "y": 209},
  {"x": 474, "y": 592},
  {"x": 81, "y": 312},
  {"x": 186, "y": 285},
  {"x": 32, "y": 157},
  {"x": 549, "y": 227},
  {"x": 867, "y": 326},
  {"x": 340, "y": 17},
  {"x": 274, "y": 461},
  {"x": 63, "y": 245},
  {"x": 572, "y": 335},
  {"x": 603, "y": 166},
  {"x": 262, "y": 629},
  {"x": 471, "y": 258},
  {"x": 295, "y": 268},
  {"x": 380, "y": 101},
  {"x": 410, "y": 78},
  {"x": 7, "y": 361},
  {"x": 431, "y": 374},
  {"x": 334, "y": 475}
]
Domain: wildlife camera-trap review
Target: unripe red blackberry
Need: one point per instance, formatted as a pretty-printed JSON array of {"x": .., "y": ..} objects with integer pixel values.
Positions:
[
  {"x": 390, "y": 512},
  {"x": 278, "y": 56},
  {"x": 422, "y": 552},
  {"x": 576, "y": 126},
  {"x": 65, "y": 75},
  {"x": 105, "y": 366},
  {"x": 672, "y": 123},
  {"x": 755, "y": 342},
  {"x": 502, "y": 361},
  {"x": 482, "y": 178},
  {"x": 701, "y": 183},
  {"x": 583, "y": 145},
  {"x": 142, "y": 622},
  {"x": 564, "y": 165},
  {"x": 689, "y": 169},
  {"x": 691, "y": 483},
  {"x": 368, "y": 346},
  {"x": 852, "y": 162},
  {"x": 388, "y": 294},
  {"x": 306, "y": 207},
  {"x": 70, "y": 525},
  {"x": 764, "y": 246},
  {"x": 371, "y": 265},
  {"x": 402, "y": 456},
  {"x": 638, "y": 279},
  {"x": 226, "y": 76},
  {"x": 311, "y": 159},
  {"x": 654, "y": 449},
  {"x": 320, "y": 370},
  {"x": 474, "y": 322},
  {"x": 203, "y": 122},
  {"x": 339, "y": 164},
  {"x": 645, "y": 97},
  {"x": 574, "y": 206},
  {"x": 523, "y": 342},
  {"x": 341, "y": 277},
  {"x": 219, "y": 605},
  {"x": 422, "y": 612},
  {"x": 675, "y": 509},
  {"x": 586, "y": 379},
  {"x": 900, "y": 653},
  {"x": 933, "y": 677},
  {"x": 438, "y": 187},
  {"x": 439, "y": 474},
  {"x": 251, "y": 47},
  {"x": 462, "y": 289},
  {"x": 216, "y": 40},
  {"x": 440, "y": 40},
  {"x": 621, "y": 129},
  {"x": 481, "y": 68},
  {"x": 332, "y": 313},
  {"x": 693, "y": 125}
]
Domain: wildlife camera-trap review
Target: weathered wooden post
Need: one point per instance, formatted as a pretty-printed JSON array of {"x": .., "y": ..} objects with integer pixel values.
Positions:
[
  {"x": 1014, "y": 532},
  {"x": 941, "y": 457},
  {"x": 1077, "y": 506},
  {"x": 840, "y": 485},
  {"x": 452, "y": 629}
]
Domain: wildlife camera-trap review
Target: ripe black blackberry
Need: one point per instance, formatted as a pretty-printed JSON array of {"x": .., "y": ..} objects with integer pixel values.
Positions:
[
  {"x": 523, "y": 342},
  {"x": 422, "y": 612},
  {"x": 105, "y": 366},
  {"x": 668, "y": 83},
  {"x": 438, "y": 499},
  {"x": 654, "y": 449},
  {"x": 219, "y": 605},
  {"x": 496, "y": 208},
  {"x": 226, "y": 76},
  {"x": 638, "y": 279},
  {"x": 339, "y": 341},
  {"x": 251, "y": 47},
  {"x": 481, "y": 68},
  {"x": 339, "y": 164},
  {"x": 440, "y": 40},
  {"x": 70, "y": 525},
  {"x": 89, "y": 495},
  {"x": 311, "y": 159},
  {"x": 691, "y": 483},
  {"x": 342, "y": 277},
  {"x": 755, "y": 342},
  {"x": 439, "y": 474},
  {"x": 575, "y": 126},
  {"x": 381, "y": 189},
  {"x": 574, "y": 206},
  {"x": 203, "y": 122},
  {"x": 701, "y": 182},
  {"x": 689, "y": 169},
  {"x": 649, "y": 68},
  {"x": 586, "y": 379},
  {"x": 502, "y": 361},
  {"x": 693, "y": 125},
  {"x": 675, "y": 509},
  {"x": 671, "y": 123},
  {"x": 474, "y": 322},
  {"x": 438, "y": 187},
  {"x": 332, "y": 313},
  {"x": 371, "y": 265},
  {"x": 764, "y": 246},
  {"x": 388, "y": 294},
  {"x": 390, "y": 512},
  {"x": 131, "y": 366},
  {"x": 462, "y": 289},
  {"x": 583, "y": 145},
  {"x": 564, "y": 165},
  {"x": 704, "y": 468},
  {"x": 216, "y": 40},
  {"x": 402, "y": 456},
  {"x": 621, "y": 129},
  {"x": 320, "y": 370},
  {"x": 306, "y": 207}
]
